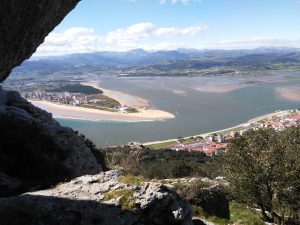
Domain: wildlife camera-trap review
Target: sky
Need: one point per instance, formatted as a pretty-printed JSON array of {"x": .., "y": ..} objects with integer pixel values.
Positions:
[{"x": 121, "y": 25}]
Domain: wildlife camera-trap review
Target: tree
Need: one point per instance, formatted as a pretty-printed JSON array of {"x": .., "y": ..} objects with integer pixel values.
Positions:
[
  {"x": 132, "y": 160},
  {"x": 263, "y": 168}
]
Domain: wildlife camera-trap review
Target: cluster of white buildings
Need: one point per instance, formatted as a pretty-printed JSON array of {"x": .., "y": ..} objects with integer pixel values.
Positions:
[
  {"x": 214, "y": 144},
  {"x": 279, "y": 123},
  {"x": 61, "y": 97},
  {"x": 210, "y": 145}
]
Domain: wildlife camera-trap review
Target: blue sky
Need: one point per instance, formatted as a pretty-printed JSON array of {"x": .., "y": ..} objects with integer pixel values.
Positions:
[{"x": 119, "y": 25}]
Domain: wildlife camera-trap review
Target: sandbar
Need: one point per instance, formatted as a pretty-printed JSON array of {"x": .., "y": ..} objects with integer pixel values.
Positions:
[
  {"x": 76, "y": 112},
  {"x": 220, "y": 88},
  {"x": 291, "y": 93},
  {"x": 179, "y": 92},
  {"x": 123, "y": 98}
]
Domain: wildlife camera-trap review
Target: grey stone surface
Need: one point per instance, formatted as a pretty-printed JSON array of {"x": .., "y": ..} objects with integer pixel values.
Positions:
[
  {"x": 209, "y": 194},
  {"x": 80, "y": 201}
]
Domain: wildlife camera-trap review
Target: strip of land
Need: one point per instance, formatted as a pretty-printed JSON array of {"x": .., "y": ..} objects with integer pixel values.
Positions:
[
  {"x": 76, "y": 112},
  {"x": 168, "y": 142}
]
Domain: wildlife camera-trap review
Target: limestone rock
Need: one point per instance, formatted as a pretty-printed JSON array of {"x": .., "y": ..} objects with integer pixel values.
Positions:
[
  {"x": 34, "y": 147},
  {"x": 213, "y": 201},
  {"x": 9, "y": 185},
  {"x": 81, "y": 202},
  {"x": 207, "y": 193},
  {"x": 23, "y": 26}
]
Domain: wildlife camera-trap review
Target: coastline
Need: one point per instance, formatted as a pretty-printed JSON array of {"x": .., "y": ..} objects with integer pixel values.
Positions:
[
  {"x": 245, "y": 124},
  {"x": 123, "y": 98},
  {"x": 81, "y": 113}
]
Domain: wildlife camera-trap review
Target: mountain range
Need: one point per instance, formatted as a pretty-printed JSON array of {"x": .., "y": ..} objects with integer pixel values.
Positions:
[{"x": 180, "y": 59}]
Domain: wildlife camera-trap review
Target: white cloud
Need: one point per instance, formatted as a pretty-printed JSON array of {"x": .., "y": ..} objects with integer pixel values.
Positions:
[
  {"x": 170, "y": 32},
  {"x": 141, "y": 35},
  {"x": 134, "y": 33},
  {"x": 146, "y": 36},
  {"x": 76, "y": 39}
]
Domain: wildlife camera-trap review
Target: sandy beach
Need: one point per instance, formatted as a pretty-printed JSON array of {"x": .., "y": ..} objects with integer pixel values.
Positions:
[
  {"x": 123, "y": 98},
  {"x": 291, "y": 93},
  {"x": 220, "y": 88},
  {"x": 76, "y": 112}
]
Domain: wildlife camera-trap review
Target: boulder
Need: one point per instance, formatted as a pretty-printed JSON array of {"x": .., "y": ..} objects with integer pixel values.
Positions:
[
  {"x": 207, "y": 194},
  {"x": 84, "y": 201},
  {"x": 213, "y": 201}
]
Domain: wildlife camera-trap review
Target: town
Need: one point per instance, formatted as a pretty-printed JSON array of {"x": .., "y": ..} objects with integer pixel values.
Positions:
[
  {"x": 215, "y": 143},
  {"x": 60, "y": 97},
  {"x": 96, "y": 101}
]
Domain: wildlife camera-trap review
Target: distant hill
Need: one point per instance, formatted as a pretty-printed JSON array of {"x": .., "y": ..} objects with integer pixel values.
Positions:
[{"x": 154, "y": 62}]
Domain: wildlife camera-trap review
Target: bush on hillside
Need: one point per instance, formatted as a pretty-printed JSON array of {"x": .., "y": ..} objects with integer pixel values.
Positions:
[{"x": 263, "y": 168}]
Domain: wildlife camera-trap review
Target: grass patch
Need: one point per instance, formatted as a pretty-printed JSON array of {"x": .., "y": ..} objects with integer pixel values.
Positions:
[
  {"x": 239, "y": 214},
  {"x": 76, "y": 88},
  {"x": 162, "y": 145},
  {"x": 132, "y": 180},
  {"x": 127, "y": 199},
  {"x": 105, "y": 101}
]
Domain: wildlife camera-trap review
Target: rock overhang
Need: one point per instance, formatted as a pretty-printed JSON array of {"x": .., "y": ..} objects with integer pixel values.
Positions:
[{"x": 24, "y": 24}]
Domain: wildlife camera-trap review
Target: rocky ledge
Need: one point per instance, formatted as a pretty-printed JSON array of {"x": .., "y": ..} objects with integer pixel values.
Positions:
[{"x": 97, "y": 199}]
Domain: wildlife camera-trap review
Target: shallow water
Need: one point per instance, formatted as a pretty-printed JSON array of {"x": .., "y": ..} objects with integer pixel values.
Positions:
[{"x": 196, "y": 112}]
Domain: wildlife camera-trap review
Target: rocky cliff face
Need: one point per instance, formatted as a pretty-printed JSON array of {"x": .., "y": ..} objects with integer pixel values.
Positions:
[
  {"x": 95, "y": 200},
  {"x": 35, "y": 149},
  {"x": 23, "y": 26}
]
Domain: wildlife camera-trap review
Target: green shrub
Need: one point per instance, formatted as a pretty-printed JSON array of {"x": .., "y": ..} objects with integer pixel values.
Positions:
[
  {"x": 132, "y": 180},
  {"x": 127, "y": 199},
  {"x": 239, "y": 215},
  {"x": 263, "y": 168}
]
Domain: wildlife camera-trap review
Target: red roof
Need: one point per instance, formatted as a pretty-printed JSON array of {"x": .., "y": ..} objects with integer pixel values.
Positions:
[{"x": 296, "y": 116}]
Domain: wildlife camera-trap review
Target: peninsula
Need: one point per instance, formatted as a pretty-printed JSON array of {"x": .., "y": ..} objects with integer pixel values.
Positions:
[{"x": 95, "y": 103}]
